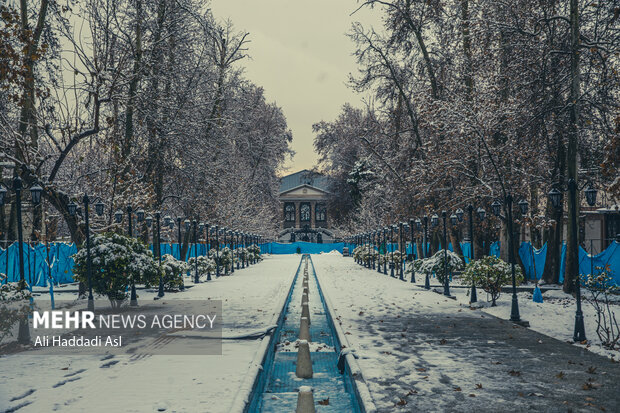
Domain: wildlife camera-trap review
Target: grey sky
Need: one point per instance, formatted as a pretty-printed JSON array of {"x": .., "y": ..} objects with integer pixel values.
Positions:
[{"x": 301, "y": 56}]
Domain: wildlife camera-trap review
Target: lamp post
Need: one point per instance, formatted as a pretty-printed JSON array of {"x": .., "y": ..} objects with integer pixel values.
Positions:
[
  {"x": 237, "y": 233},
  {"x": 35, "y": 191},
  {"x": 446, "y": 281},
  {"x": 217, "y": 251},
  {"x": 427, "y": 281},
  {"x": 496, "y": 205},
  {"x": 555, "y": 196},
  {"x": 411, "y": 225},
  {"x": 99, "y": 206},
  {"x": 160, "y": 292},
  {"x": 179, "y": 237},
  {"x": 118, "y": 216},
  {"x": 232, "y": 250},
  {"x": 400, "y": 249},
  {"x": 195, "y": 224},
  {"x": 392, "y": 248},
  {"x": 385, "y": 250},
  {"x": 473, "y": 298}
]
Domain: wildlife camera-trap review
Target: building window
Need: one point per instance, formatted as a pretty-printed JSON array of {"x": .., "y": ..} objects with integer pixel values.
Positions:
[
  {"x": 289, "y": 212},
  {"x": 304, "y": 212},
  {"x": 320, "y": 213}
]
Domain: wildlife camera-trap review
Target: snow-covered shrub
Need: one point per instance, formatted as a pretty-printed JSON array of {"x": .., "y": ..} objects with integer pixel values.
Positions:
[
  {"x": 206, "y": 265},
  {"x": 14, "y": 305},
  {"x": 173, "y": 271},
  {"x": 435, "y": 264},
  {"x": 490, "y": 273},
  {"x": 117, "y": 260},
  {"x": 602, "y": 289},
  {"x": 395, "y": 257},
  {"x": 254, "y": 251}
]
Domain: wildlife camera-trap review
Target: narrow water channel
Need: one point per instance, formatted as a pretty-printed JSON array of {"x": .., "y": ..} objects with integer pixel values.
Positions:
[{"x": 278, "y": 388}]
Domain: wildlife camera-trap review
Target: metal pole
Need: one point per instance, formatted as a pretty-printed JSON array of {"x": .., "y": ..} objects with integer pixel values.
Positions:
[
  {"x": 580, "y": 331},
  {"x": 427, "y": 281},
  {"x": 160, "y": 293},
  {"x": 217, "y": 251},
  {"x": 470, "y": 209},
  {"x": 400, "y": 249},
  {"x": 514, "y": 312},
  {"x": 133, "y": 302},
  {"x": 411, "y": 224},
  {"x": 89, "y": 271},
  {"x": 446, "y": 281},
  {"x": 24, "y": 329},
  {"x": 196, "y": 276},
  {"x": 392, "y": 248}
]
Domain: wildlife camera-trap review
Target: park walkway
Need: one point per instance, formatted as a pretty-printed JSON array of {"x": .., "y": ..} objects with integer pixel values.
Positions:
[
  {"x": 422, "y": 352},
  {"x": 252, "y": 299}
]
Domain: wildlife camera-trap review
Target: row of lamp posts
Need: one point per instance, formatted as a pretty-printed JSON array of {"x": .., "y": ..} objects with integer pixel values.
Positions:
[
  {"x": 236, "y": 238},
  {"x": 368, "y": 240}
]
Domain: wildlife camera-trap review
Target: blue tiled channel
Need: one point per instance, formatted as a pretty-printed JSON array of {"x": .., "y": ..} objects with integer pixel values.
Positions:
[{"x": 276, "y": 387}]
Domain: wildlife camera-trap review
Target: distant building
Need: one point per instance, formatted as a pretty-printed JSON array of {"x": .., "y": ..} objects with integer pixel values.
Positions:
[{"x": 303, "y": 200}]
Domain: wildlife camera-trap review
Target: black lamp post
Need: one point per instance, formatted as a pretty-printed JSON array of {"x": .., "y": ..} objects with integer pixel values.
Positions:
[
  {"x": 392, "y": 250},
  {"x": 231, "y": 233},
  {"x": 35, "y": 191},
  {"x": 99, "y": 206},
  {"x": 196, "y": 276},
  {"x": 401, "y": 239},
  {"x": 473, "y": 298},
  {"x": 385, "y": 250},
  {"x": 179, "y": 236},
  {"x": 411, "y": 226},
  {"x": 555, "y": 196},
  {"x": 496, "y": 206},
  {"x": 217, "y": 251},
  {"x": 236, "y": 247},
  {"x": 133, "y": 302},
  {"x": 427, "y": 281},
  {"x": 446, "y": 281},
  {"x": 160, "y": 292}
]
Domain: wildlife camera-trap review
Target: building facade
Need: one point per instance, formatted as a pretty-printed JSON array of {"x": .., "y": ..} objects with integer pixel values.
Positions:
[{"x": 303, "y": 202}]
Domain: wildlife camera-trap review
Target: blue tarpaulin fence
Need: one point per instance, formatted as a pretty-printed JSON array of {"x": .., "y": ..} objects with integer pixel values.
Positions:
[
  {"x": 60, "y": 268},
  {"x": 304, "y": 247},
  {"x": 37, "y": 268}
]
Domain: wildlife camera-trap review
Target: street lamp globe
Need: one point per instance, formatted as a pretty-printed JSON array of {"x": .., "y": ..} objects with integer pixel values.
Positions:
[
  {"x": 555, "y": 196},
  {"x": 149, "y": 221},
  {"x": 591, "y": 195},
  {"x": 140, "y": 215},
  {"x": 35, "y": 192},
  {"x": 454, "y": 219},
  {"x": 72, "y": 208},
  {"x": 459, "y": 214},
  {"x": 435, "y": 220},
  {"x": 187, "y": 223},
  {"x": 418, "y": 224},
  {"x": 481, "y": 213},
  {"x": 496, "y": 207},
  {"x": 118, "y": 216},
  {"x": 523, "y": 205},
  {"x": 167, "y": 220},
  {"x": 99, "y": 206}
]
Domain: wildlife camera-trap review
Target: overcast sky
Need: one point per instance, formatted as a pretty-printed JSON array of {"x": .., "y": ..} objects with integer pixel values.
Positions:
[{"x": 302, "y": 58}]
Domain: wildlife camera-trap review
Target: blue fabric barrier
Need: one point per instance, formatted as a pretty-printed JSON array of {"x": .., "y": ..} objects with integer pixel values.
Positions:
[
  {"x": 533, "y": 260},
  {"x": 37, "y": 272},
  {"x": 305, "y": 247}
]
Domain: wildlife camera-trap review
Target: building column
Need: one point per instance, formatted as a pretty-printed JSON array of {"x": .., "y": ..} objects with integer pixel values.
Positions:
[
  {"x": 297, "y": 215},
  {"x": 312, "y": 214}
]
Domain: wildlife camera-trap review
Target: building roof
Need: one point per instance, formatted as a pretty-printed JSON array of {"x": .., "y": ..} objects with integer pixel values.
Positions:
[{"x": 304, "y": 177}]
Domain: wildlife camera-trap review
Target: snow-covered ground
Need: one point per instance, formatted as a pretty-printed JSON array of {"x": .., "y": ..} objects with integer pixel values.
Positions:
[
  {"x": 252, "y": 299},
  {"x": 420, "y": 350}
]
